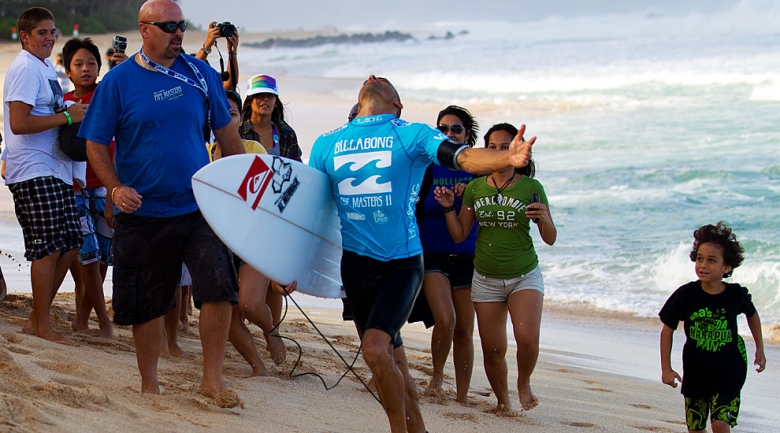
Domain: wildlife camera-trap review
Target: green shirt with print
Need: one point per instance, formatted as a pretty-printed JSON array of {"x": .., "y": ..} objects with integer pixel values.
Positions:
[{"x": 504, "y": 246}]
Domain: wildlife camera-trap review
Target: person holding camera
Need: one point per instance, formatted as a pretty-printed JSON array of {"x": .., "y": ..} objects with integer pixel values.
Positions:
[
  {"x": 230, "y": 33},
  {"x": 507, "y": 278}
]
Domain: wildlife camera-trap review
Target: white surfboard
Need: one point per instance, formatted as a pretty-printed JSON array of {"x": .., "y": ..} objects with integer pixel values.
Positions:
[{"x": 278, "y": 215}]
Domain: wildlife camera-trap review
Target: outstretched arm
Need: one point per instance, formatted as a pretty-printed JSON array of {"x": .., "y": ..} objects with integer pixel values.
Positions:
[
  {"x": 754, "y": 323},
  {"x": 668, "y": 376},
  {"x": 484, "y": 161}
]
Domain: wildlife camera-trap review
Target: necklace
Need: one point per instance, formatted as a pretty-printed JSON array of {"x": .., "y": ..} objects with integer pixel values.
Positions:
[{"x": 498, "y": 197}]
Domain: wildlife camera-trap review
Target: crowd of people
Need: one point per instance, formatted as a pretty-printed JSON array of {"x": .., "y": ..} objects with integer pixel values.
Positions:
[{"x": 128, "y": 203}]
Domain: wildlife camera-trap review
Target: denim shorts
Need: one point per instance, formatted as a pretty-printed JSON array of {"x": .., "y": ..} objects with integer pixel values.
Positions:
[
  {"x": 488, "y": 289},
  {"x": 458, "y": 268},
  {"x": 381, "y": 294},
  {"x": 91, "y": 203},
  {"x": 148, "y": 253}
]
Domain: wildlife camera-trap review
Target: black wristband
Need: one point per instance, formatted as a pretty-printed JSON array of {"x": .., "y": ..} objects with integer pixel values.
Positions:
[
  {"x": 447, "y": 154},
  {"x": 449, "y": 209}
]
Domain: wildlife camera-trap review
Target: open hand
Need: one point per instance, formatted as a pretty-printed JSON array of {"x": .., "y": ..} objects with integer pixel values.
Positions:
[
  {"x": 444, "y": 196},
  {"x": 520, "y": 150}
]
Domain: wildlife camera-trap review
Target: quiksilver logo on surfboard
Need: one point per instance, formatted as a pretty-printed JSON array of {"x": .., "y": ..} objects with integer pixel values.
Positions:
[{"x": 259, "y": 176}]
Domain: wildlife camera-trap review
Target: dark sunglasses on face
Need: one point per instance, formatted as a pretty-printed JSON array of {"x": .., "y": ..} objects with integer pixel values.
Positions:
[
  {"x": 168, "y": 26},
  {"x": 456, "y": 129}
]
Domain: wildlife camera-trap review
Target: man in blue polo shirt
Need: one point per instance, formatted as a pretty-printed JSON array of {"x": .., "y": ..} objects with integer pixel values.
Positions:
[
  {"x": 158, "y": 123},
  {"x": 376, "y": 164}
]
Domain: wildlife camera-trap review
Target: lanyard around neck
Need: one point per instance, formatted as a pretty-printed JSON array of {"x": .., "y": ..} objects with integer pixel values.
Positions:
[{"x": 160, "y": 68}]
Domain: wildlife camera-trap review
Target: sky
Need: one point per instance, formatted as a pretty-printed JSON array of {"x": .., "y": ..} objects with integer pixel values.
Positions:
[{"x": 356, "y": 15}]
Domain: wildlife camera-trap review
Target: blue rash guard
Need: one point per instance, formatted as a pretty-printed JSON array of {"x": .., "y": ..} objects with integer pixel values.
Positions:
[
  {"x": 376, "y": 165},
  {"x": 154, "y": 155}
]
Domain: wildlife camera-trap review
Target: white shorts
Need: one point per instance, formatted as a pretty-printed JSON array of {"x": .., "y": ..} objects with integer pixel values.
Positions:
[{"x": 488, "y": 289}]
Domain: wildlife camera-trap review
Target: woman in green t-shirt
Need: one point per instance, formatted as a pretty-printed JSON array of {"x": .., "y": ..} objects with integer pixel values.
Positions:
[{"x": 507, "y": 277}]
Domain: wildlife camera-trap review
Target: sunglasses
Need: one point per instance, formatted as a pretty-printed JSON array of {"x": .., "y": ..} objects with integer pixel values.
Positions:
[
  {"x": 456, "y": 129},
  {"x": 168, "y": 26}
]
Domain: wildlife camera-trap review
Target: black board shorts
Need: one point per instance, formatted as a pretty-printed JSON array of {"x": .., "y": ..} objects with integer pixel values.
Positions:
[
  {"x": 381, "y": 294},
  {"x": 148, "y": 253}
]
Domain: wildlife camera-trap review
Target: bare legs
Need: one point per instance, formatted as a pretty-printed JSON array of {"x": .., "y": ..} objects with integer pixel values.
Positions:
[
  {"x": 90, "y": 278},
  {"x": 525, "y": 307},
  {"x": 453, "y": 312},
  {"x": 46, "y": 274},
  {"x": 242, "y": 340},
  {"x": 252, "y": 295},
  {"x": 396, "y": 389},
  {"x": 214, "y": 325}
]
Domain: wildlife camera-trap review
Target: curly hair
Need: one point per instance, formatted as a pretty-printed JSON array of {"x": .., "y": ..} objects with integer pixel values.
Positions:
[
  {"x": 530, "y": 169},
  {"x": 722, "y": 236},
  {"x": 469, "y": 123}
]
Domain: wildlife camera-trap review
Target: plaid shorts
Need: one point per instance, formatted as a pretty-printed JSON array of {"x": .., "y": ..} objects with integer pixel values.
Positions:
[{"x": 47, "y": 211}]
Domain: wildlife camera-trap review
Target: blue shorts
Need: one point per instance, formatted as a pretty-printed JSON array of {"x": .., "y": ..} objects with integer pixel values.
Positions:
[
  {"x": 148, "y": 253},
  {"x": 381, "y": 294},
  {"x": 488, "y": 289},
  {"x": 91, "y": 203},
  {"x": 458, "y": 268}
]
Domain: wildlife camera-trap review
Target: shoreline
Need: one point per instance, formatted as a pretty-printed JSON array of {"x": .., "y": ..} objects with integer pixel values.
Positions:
[{"x": 73, "y": 388}]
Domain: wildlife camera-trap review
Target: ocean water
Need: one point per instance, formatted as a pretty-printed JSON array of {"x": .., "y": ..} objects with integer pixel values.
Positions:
[{"x": 648, "y": 127}]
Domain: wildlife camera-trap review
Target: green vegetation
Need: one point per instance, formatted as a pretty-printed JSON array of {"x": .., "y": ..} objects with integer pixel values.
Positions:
[{"x": 92, "y": 16}]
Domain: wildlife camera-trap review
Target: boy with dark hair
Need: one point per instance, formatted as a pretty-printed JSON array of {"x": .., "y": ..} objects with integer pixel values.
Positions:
[
  {"x": 714, "y": 355},
  {"x": 82, "y": 66},
  {"x": 38, "y": 173}
]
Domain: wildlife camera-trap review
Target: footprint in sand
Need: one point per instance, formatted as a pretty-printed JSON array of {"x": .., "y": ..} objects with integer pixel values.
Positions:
[
  {"x": 640, "y": 406},
  {"x": 461, "y": 416},
  {"x": 651, "y": 428},
  {"x": 580, "y": 424},
  {"x": 600, "y": 389}
]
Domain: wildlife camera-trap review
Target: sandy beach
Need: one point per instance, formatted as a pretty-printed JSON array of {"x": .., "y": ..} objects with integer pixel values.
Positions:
[{"x": 597, "y": 371}]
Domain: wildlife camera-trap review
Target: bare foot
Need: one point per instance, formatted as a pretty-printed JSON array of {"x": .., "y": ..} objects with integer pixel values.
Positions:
[
  {"x": 504, "y": 410},
  {"x": 107, "y": 332},
  {"x": 150, "y": 388},
  {"x": 78, "y": 326},
  {"x": 276, "y": 347},
  {"x": 434, "y": 387},
  {"x": 527, "y": 398},
  {"x": 259, "y": 370},
  {"x": 57, "y": 338},
  {"x": 226, "y": 398},
  {"x": 30, "y": 327},
  {"x": 175, "y": 351}
]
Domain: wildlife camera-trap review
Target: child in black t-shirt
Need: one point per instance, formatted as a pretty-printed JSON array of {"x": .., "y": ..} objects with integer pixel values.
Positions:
[{"x": 714, "y": 355}]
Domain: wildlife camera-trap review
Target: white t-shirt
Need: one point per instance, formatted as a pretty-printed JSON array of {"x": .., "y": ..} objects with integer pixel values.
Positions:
[{"x": 28, "y": 156}]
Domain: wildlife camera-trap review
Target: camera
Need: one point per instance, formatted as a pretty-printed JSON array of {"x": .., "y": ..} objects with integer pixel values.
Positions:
[
  {"x": 226, "y": 29},
  {"x": 120, "y": 44},
  {"x": 534, "y": 199}
]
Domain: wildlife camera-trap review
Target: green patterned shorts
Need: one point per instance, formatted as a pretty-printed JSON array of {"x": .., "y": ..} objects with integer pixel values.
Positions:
[{"x": 721, "y": 407}]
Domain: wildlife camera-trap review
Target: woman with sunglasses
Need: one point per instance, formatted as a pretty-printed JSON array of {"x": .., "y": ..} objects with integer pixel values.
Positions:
[
  {"x": 507, "y": 277},
  {"x": 448, "y": 266},
  {"x": 263, "y": 121},
  {"x": 253, "y": 286}
]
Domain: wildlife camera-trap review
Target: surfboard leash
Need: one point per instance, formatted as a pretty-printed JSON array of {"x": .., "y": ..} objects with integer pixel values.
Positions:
[{"x": 349, "y": 365}]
